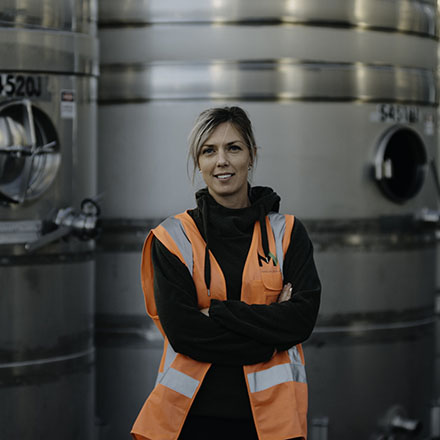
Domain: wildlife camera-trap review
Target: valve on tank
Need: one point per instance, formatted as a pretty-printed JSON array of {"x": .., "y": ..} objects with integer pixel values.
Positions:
[
  {"x": 396, "y": 425},
  {"x": 83, "y": 224}
]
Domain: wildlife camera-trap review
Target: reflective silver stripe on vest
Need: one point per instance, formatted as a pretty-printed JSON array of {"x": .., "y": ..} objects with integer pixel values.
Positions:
[
  {"x": 170, "y": 355},
  {"x": 298, "y": 369},
  {"x": 179, "y": 382},
  {"x": 175, "y": 228},
  {"x": 293, "y": 372},
  {"x": 262, "y": 380},
  {"x": 278, "y": 224},
  {"x": 175, "y": 379}
]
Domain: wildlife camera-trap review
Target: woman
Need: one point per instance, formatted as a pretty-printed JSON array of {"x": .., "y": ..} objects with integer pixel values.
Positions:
[{"x": 233, "y": 288}]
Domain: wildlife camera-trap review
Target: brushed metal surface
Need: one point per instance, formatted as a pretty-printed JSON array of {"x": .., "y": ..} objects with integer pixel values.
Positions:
[
  {"x": 118, "y": 287},
  {"x": 47, "y": 304},
  {"x": 129, "y": 347},
  {"x": 205, "y": 42},
  {"x": 46, "y": 355},
  {"x": 371, "y": 282},
  {"x": 313, "y": 78},
  {"x": 12, "y": 232},
  {"x": 73, "y": 16},
  {"x": 396, "y": 15},
  {"x": 61, "y": 406},
  {"x": 303, "y": 148},
  {"x": 369, "y": 376},
  {"x": 47, "y": 310},
  {"x": 267, "y": 80},
  {"x": 119, "y": 368},
  {"x": 48, "y": 51}
]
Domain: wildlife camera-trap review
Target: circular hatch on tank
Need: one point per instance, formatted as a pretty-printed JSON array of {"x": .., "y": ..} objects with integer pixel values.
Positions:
[
  {"x": 29, "y": 152},
  {"x": 400, "y": 164}
]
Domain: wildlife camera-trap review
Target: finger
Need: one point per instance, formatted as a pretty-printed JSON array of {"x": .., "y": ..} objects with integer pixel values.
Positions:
[
  {"x": 286, "y": 293},
  {"x": 282, "y": 298}
]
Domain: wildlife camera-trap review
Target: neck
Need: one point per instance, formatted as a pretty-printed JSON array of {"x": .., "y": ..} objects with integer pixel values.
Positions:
[{"x": 236, "y": 201}]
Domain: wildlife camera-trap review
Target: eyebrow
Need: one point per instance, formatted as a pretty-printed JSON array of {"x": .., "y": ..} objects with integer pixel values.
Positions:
[{"x": 229, "y": 143}]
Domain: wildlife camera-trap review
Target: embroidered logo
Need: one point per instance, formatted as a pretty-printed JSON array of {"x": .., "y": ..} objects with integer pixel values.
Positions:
[{"x": 265, "y": 260}]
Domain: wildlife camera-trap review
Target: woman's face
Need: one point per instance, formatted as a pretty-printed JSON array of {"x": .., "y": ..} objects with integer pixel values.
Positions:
[{"x": 224, "y": 161}]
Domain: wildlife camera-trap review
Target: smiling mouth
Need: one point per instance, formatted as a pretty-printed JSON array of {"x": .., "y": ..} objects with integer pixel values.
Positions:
[{"x": 225, "y": 176}]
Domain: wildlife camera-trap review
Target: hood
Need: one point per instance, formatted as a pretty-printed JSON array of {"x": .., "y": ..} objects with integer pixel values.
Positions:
[
  {"x": 229, "y": 222},
  {"x": 219, "y": 220}
]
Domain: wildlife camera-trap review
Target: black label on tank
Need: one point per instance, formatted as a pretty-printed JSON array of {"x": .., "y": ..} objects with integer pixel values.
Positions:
[
  {"x": 400, "y": 113},
  {"x": 24, "y": 86}
]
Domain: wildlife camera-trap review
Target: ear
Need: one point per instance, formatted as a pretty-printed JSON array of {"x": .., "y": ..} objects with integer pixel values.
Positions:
[{"x": 253, "y": 156}]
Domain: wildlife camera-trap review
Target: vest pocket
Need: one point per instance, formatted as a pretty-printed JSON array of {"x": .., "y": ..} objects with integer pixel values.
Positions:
[{"x": 270, "y": 285}]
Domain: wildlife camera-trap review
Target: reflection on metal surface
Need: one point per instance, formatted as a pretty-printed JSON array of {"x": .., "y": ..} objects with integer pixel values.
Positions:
[
  {"x": 44, "y": 361},
  {"x": 75, "y": 254},
  {"x": 370, "y": 327},
  {"x": 76, "y": 16},
  {"x": 381, "y": 242},
  {"x": 410, "y": 16},
  {"x": 48, "y": 51},
  {"x": 29, "y": 152},
  {"x": 12, "y": 232},
  {"x": 267, "y": 80},
  {"x": 387, "y": 233},
  {"x": 373, "y": 327},
  {"x": 133, "y": 329},
  {"x": 123, "y": 235}
]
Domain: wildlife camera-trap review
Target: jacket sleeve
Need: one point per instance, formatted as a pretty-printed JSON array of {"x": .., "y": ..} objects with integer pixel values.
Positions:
[
  {"x": 189, "y": 331},
  {"x": 280, "y": 324}
]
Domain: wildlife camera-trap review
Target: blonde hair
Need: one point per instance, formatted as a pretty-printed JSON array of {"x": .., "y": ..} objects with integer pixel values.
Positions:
[{"x": 209, "y": 120}]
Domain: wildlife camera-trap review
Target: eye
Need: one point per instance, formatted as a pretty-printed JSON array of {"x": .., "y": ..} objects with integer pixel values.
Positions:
[
  {"x": 207, "y": 150},
  {"x": 234, "y": 148}
]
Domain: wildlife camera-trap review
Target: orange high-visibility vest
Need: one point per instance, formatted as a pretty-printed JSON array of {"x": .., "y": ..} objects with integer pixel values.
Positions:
[{"x": 277, "y": 388}]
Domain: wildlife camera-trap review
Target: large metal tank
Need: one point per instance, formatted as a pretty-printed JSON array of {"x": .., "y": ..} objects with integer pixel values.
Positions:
[
  {"x": 343, "y": 98},
  {"x": 48, "y": 87}
]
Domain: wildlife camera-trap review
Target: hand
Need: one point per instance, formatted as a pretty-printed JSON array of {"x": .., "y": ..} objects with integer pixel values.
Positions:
[
  {"x": 205, "y": 311},
  {"x": 286, "y": 293}
]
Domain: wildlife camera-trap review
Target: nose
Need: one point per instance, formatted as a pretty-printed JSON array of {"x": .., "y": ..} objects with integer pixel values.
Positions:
[{"x": 222, "y": 158}]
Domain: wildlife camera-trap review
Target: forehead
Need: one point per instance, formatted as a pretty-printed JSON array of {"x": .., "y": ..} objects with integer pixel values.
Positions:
[{"x": 223, "y": 134}]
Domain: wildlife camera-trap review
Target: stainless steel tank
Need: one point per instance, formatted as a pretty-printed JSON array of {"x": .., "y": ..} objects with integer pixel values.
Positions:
[
  {"x": 343, "y": 99},
  {"x": 48, "y": 88}
]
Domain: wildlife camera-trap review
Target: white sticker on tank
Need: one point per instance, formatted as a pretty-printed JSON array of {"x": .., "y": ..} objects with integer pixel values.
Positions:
[
  {"x": 429, "y": 124},
  {"x": 68, "y": 104}
]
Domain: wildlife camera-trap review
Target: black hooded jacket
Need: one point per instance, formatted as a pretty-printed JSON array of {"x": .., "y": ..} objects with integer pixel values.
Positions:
[{"x": 235, "y": 333}]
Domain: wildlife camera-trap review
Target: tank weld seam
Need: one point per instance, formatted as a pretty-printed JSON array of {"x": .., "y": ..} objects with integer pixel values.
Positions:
[
  {"x": 256, "y": 98},
  {"x": 284, "y": 61},
  {"x": 419, "y": 87},
  {"x": 374, "y": 327},
  {"x": 148, "y": 334},
  {"x": 44, "y": 361},
  {"x": 428, "y": 32},
  {"x": 89, "y": 73}
]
